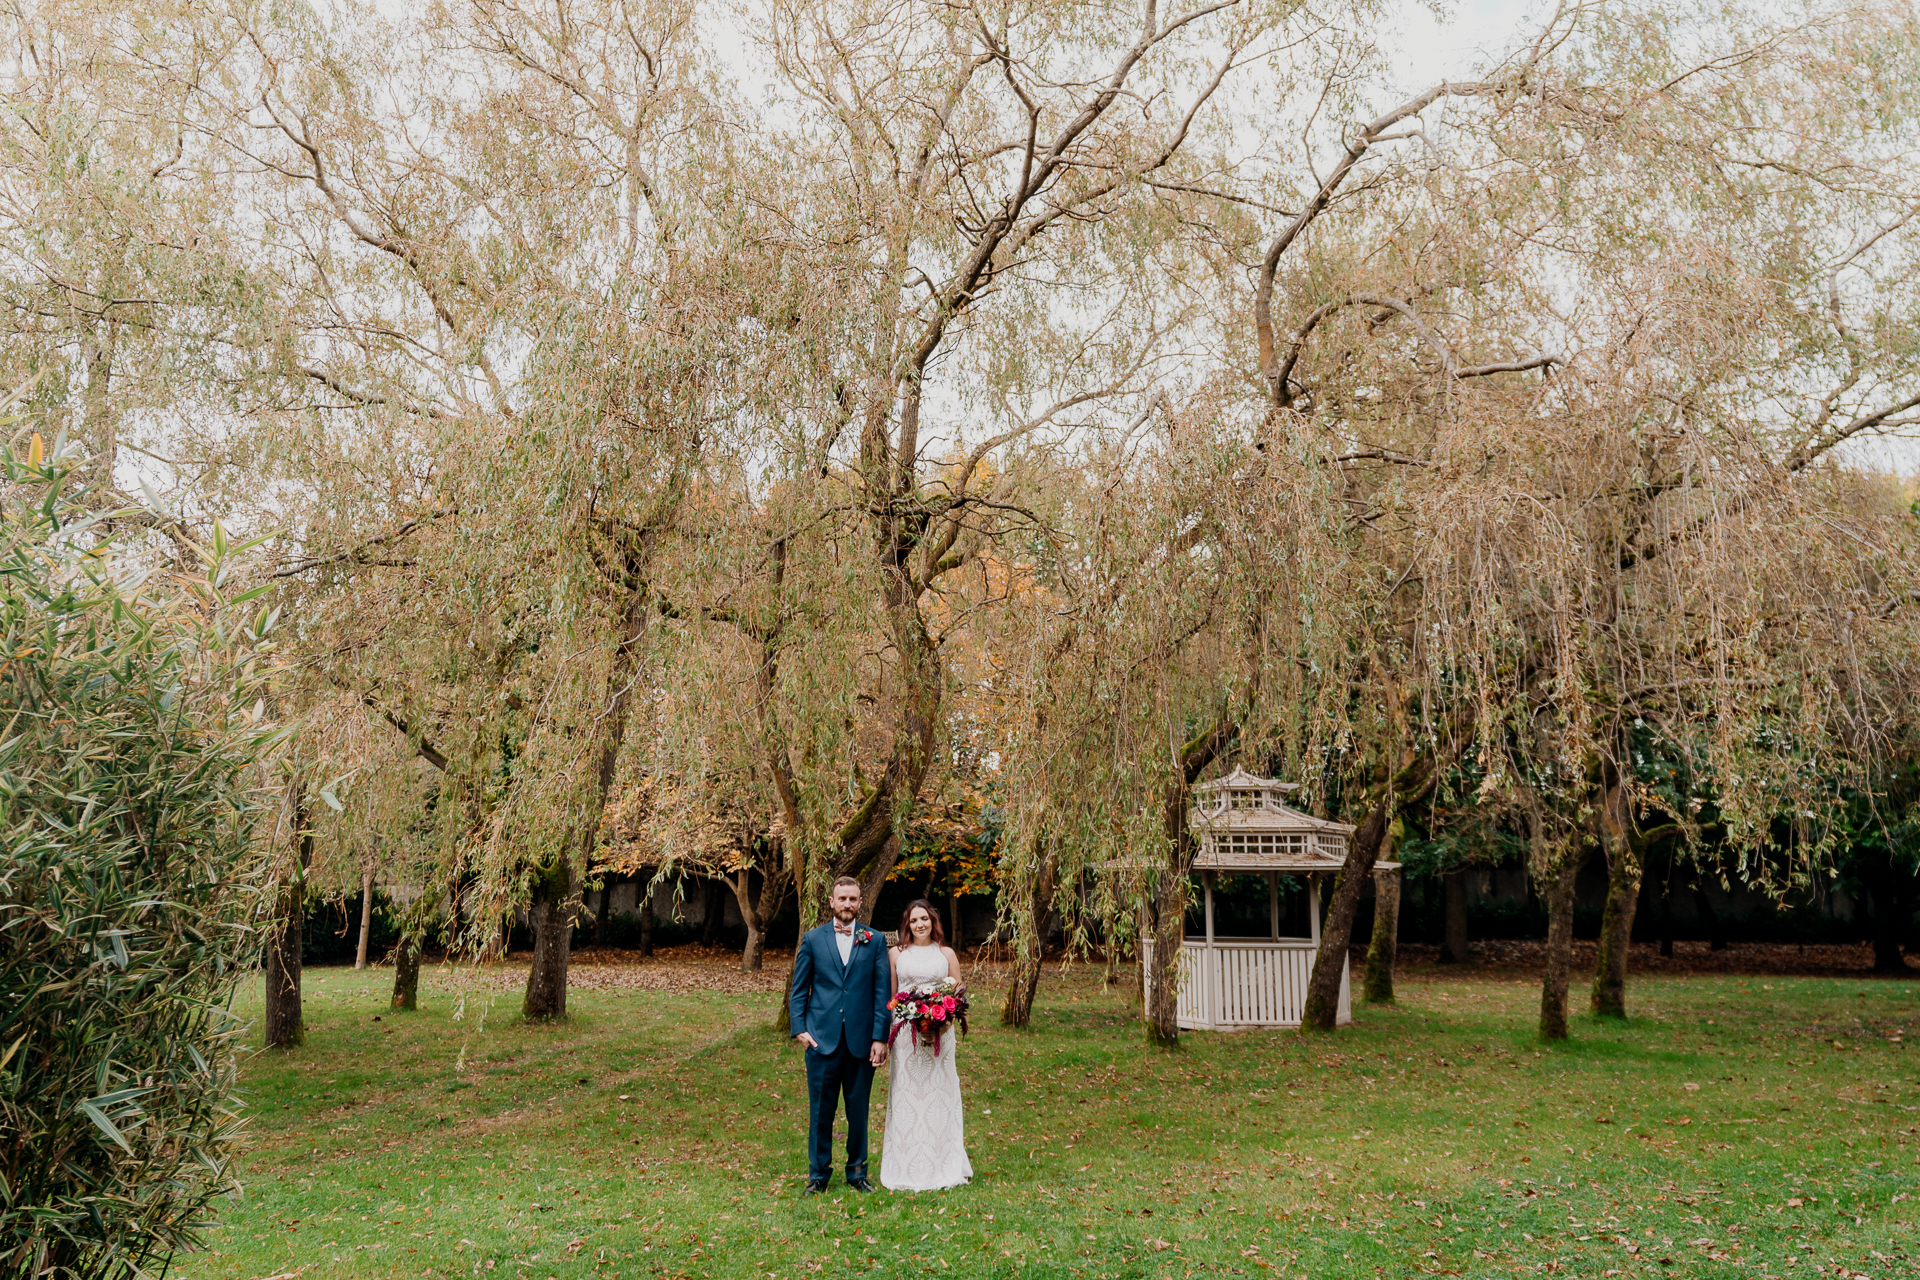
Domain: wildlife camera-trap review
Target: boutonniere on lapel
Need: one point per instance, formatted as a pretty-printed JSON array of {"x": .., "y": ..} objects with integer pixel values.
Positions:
[{"x": 862, "y": 935}]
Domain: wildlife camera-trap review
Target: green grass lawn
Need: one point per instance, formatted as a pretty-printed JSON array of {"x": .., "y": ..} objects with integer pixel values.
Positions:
[{"x": 1737, "y": 1126}]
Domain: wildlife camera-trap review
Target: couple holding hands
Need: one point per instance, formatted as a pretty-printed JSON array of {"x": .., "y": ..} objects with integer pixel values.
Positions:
[{"x": 844, "y": 980}]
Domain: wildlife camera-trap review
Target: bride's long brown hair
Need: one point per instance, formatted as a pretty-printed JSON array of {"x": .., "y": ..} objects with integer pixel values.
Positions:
[{"x": 906, "y": 933}]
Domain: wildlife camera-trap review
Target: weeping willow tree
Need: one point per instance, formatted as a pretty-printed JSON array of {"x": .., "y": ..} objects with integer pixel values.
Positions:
[
  {"x": 1568, "y": 360},
  {"x": 1586, "y": 369},
  {"x": 488, "y": 278},
  {"x": 1191, "y": 604},
  {"x": 976, "y": 210}
]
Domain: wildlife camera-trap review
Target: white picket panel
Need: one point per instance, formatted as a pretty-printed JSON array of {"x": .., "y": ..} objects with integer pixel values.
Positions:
[{"x": 1245, "y": 983}]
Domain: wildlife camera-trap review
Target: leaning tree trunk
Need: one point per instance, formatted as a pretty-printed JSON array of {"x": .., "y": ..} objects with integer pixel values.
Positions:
[
  {"x": 1454, "y": 947},
  {"x": 1385, "y": 943},
  {"x": 1160, "y": 994},
  {"x": 1322, "y": 1008},
  {"x": 1410, "y": 785},
  {"x": 759, "y": 910},
  {"x": 285, "y": 1024},
  {"x": 1553, "y": 986},
  {"x": 366, "y": 919},
  {"x": 1162, "y": 1011},
  {"x": 1616, "y": 922},
  {"x": 741, "y": 882},
  {"x": 1030, "y": 945}
]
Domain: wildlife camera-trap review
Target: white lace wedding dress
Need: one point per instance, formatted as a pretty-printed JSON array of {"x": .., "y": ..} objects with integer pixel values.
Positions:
[{"x": 925, "y": 1147}]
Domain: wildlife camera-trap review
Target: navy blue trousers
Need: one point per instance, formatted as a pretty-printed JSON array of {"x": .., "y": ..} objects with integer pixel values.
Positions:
[{"x": 831, "y": 1076}]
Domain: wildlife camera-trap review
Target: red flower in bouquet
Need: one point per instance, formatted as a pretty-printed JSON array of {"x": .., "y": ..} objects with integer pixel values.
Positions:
[{"x": 929, "y": 1008}]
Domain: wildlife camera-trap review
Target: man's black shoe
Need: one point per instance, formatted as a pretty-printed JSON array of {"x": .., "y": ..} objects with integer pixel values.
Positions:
[
  {"x": 815, "y": 1187},
  {"x": 861, "y": 1185}
]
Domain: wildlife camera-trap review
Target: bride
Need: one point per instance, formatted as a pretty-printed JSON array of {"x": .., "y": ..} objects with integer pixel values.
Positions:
[{"x": 926, "y": 1135}]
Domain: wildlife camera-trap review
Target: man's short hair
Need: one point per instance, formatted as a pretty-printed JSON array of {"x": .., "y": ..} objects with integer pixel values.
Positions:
[{"x": 847, "y": 880}]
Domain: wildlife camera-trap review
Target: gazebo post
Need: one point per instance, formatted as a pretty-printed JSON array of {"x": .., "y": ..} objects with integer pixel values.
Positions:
[
  {"x": 1313, "y": 908},
  {"x": 1206, "y": 878},
  {"x": 1273, "y": 902},
  {"x": 1209, "y": 996}
]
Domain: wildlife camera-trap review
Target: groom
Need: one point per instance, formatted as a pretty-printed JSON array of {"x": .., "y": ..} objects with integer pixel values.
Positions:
[{"x": 838, "y": 1010}]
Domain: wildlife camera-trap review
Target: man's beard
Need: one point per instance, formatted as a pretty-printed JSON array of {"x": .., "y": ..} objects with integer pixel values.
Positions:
[{"x": 847, "y": 915}]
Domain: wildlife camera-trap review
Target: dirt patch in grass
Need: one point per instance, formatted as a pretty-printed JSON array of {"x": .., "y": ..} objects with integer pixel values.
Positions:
[{"x": 669, "y": 969}]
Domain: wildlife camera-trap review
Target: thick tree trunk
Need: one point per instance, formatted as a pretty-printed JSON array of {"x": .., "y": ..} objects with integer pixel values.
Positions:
[
  {"x": 406, "y": 972},
  {"x": 556, "y": 901},
  {"x": 753, "y": 955},
  {"x": 1616, "y": 928},
  {"x": 1162, "y": 1012},
  {"x": 1454, "y": 948},
  {"x": 1553, "y": 986},
  {"x": 285, "y": 1026},
  {"x": 1322, "y": 1009},
  {"x": 643, "y": 903},
  {"x": 1888, "y": 907},
  {"x": 285, "y": 1023},
  {"x": 366, "y": 919},
  {"x": 1385, "y": 943},
  {"x": 873, "y": 879}
]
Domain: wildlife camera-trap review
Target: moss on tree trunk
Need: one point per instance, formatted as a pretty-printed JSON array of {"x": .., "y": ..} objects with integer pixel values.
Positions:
[
  {"x": 1385, "y": 943},
  {"x": 1616, "y": 930}
]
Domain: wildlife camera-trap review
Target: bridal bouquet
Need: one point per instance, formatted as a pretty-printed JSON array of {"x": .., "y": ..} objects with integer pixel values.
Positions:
[{"x": 929, "y": 1008}]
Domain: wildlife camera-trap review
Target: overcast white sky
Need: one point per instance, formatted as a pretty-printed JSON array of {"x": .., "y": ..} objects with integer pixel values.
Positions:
[{"x": 1427, "y": 49}]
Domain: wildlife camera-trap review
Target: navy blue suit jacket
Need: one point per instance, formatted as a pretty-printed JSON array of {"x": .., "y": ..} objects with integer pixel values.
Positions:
[{"x": 836, "y": 1003}]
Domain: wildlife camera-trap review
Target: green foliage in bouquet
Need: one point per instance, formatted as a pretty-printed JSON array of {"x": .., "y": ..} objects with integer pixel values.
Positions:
[{"x": 128, "y": 728}]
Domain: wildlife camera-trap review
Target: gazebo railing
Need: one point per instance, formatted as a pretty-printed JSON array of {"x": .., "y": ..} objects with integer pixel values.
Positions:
[{"x": 1245, "y": 982}]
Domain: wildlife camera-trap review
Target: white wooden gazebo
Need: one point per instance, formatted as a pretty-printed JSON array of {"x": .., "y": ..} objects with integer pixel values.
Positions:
[{"x": 1243, "y": 828}]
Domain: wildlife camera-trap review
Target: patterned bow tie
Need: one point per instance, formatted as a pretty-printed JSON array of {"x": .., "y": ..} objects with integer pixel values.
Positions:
[{"x": 842, "y": 928}]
